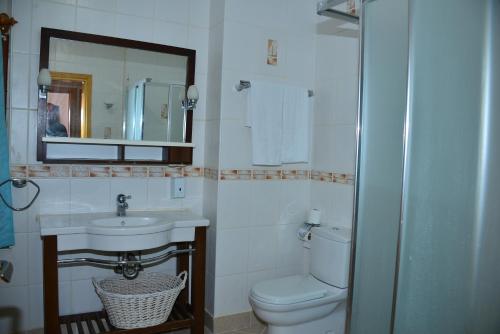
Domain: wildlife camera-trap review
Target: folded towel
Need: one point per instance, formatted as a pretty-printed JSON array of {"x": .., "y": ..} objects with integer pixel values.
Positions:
[
  {"x": 296, "y": 125},
  {"x": 6, "y": 219},
  {"x": 265, "y": 117}
]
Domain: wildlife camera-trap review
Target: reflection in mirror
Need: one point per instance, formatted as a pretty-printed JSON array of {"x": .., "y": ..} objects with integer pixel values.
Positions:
[
  {"x": 110, "y": 92},
  {"x": 69, "y": 105}
]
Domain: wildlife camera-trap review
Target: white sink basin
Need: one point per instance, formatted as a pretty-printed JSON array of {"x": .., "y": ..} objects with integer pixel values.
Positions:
[
  {"x": 123, "y": 222},
  {"x": 106, "y": 232}
]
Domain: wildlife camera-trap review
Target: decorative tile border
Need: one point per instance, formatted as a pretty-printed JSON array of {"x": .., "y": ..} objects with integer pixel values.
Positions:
[
  {"x": 58, "y": 171},
  {"x": 279, "y": 174},
  {"x": 211, "y": 173}
]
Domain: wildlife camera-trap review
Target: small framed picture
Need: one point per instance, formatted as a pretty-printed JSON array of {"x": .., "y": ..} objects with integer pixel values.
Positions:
[{"x": 272, "y": 52}]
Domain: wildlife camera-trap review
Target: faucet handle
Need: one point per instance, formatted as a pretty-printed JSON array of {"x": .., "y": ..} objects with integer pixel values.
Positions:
[{"x": 121, "y": 198}]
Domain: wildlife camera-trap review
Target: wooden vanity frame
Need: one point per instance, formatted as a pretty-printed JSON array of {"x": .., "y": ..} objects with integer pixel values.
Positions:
[{"x": 184, "y": 315}]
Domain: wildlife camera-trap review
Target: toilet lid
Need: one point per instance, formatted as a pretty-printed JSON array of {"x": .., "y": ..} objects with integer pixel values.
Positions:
[{"x": 289, "y": 290}]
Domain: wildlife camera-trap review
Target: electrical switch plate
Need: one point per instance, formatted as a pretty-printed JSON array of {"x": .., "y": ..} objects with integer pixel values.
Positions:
[{"x": 178, "y": 187}]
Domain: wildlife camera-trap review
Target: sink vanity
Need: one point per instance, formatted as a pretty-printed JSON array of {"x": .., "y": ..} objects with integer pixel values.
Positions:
[
  {"x": 139, "y": 230},
  {"x": 110, "y": 101}
]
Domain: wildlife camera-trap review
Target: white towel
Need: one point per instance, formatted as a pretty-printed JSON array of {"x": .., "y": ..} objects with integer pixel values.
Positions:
[
  {"x": 296, "y": 124},
  {"x": 265, "y": 117}
]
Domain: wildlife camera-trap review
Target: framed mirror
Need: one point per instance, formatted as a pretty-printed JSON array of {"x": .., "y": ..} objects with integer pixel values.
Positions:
[{"x": 117, "y": 96}]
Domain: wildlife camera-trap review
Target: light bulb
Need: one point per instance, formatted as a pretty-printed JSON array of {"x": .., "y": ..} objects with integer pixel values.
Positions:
[
  {"x": 44, "y": 78},
  {"x": 192, "y": 93}
]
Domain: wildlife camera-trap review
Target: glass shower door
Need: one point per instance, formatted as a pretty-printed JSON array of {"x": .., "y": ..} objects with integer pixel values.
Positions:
[
  {"x": 449, "y": 267},
  {"x": 427, "y": 223},
  {"x": 380, "y": 163}
]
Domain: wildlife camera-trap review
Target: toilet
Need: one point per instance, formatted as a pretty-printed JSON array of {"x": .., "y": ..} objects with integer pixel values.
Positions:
[{"x": 305, "y": 304}]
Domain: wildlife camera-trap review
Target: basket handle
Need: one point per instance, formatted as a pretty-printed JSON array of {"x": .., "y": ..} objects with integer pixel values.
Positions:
[
  {"x": 183, "y": 276},
  {"x": 95, "y": 282}
]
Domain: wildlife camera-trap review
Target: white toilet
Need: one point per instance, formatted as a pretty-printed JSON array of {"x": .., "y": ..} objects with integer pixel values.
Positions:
[{"x": 305, "y": 304}]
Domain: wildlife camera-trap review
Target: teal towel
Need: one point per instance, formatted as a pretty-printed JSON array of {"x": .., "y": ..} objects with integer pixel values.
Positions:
[{"x": 6, "y": 219}]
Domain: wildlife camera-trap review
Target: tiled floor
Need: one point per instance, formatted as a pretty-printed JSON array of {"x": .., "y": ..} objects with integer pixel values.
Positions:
[{"x": 256, "y": 330}]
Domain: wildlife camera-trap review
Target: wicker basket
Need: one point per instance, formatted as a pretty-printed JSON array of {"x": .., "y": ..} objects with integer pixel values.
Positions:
[{"x": 143, "y": 302}]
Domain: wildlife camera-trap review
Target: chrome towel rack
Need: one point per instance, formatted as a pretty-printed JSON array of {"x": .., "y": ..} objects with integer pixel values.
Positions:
[{"x": 245, "y": 84}]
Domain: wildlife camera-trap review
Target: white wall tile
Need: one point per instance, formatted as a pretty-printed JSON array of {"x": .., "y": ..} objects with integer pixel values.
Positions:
[
  {"x": 95, "y": 22},
  {"x": 133, "y": 27},
  {"x": 172, "y": 10},
  {"x": 107, "y": 5},
  {"x": 33, "y": 85},
  {"x": 83, "y": 297},
  {"x": 19, "y": 80},
  {"x": 20, "y": 199},
  {"x": 343, "y": 148},
  {"x": 50, "y": 15},
  {"x": 54, "y": 198},
  {"x": 35, "y": 258},
  {"x": 170, "y": 33},
  {"x": 198, "y": 140},
  {"x": 290, "y": 248},
  {"x": 65, "y": 291},
  {"x": 263, "y": 250},
  {"x": 18, "y": 130},
  {"x": 35, "y": 311},
  {"x": 91, "y": 195},
  {"x": 296, "y": 201},
  {"x": 198, "y": 10},
  {"x": 21, "y": 32},
  {"x": 235, "y": 204},
  {"x": 267, "y": 203},
  {"x": 343, "y": 201},
  {"x": 235, "y": 145},
  {"x": 144, "y": 8},
  {"x": 32, "y": 137},
  {"x": 231, "y": 251},
  {"x": 231, "y": 295}
]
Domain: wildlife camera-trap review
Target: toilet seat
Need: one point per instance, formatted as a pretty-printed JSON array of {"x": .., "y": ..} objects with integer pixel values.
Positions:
[{"x": 289, "y": 290}]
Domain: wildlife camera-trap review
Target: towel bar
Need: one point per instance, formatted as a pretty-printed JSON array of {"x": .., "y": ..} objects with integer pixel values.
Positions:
[{"x": 245, "y": 84}]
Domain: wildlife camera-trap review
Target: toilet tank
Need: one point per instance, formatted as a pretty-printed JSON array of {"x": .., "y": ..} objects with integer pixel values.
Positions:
[{"x": 330, "y": 254}]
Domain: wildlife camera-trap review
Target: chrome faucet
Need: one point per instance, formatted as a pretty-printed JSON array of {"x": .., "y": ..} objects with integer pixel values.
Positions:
[{"x": 122, "y": 205}]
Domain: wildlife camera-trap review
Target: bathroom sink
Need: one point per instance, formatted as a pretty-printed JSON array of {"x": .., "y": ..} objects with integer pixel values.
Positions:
[
  {"x": 138, "y": 230},
  {"x": 124, "y": 222}
]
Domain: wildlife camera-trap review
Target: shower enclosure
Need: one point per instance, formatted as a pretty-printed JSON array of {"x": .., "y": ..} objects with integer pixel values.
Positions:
[{"x": 426, "y": 250}]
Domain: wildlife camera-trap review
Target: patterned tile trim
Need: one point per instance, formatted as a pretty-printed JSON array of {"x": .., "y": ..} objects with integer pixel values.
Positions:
[
  {"x": 211, "y": 173},
  {"x": 55, "y": 171},
  {"x": 278, "y": 174}
]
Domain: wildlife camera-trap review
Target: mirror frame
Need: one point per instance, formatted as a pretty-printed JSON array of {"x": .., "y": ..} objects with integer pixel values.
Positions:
[{"x": 171, "y": 154}]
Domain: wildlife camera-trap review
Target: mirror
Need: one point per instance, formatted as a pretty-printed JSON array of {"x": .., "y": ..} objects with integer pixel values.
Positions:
[
  {"x": 114, "y": 101},
  {"x": 112, "y": 92}
]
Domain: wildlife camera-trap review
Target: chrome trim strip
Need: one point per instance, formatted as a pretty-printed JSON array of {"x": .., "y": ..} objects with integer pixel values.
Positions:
[
  {"x": 145, "y": 262},
  {"x": 352, "y": 263},
  {"x": 405, "y": 166}
]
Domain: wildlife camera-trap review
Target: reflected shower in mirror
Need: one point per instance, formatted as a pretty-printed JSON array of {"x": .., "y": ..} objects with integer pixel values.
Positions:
[{"x": 111, "y": 92}]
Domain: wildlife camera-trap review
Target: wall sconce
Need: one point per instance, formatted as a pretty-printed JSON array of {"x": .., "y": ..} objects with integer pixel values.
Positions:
[
  {"x": 44, "y": 80},
  {"x": 189, "y": 103}
]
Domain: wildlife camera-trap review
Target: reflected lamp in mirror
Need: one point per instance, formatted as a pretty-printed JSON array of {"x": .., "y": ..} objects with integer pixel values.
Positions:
[
  {"x": 189, "y": 103},
  {"x": 44, "y": 80}
]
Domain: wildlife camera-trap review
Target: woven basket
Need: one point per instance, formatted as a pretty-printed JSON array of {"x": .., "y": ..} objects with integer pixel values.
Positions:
[{"x": 143, "y": 302}]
